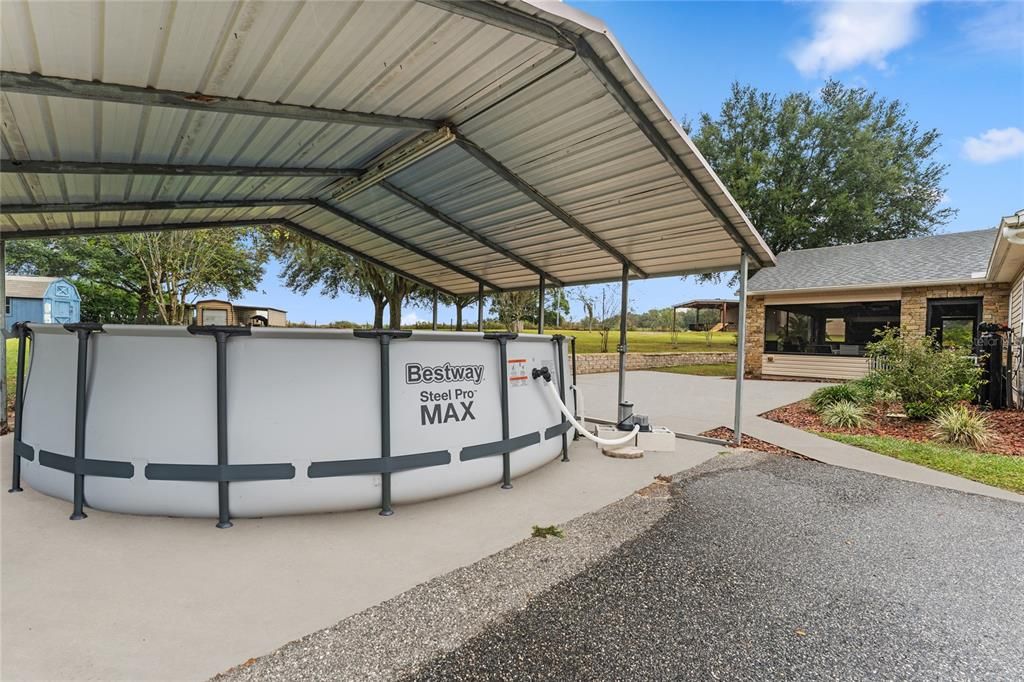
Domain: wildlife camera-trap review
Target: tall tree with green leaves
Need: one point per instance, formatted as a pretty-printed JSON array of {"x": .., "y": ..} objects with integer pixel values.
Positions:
[
  {"x": 307, "y": 264},
  {"x": 840, "y": 167}
]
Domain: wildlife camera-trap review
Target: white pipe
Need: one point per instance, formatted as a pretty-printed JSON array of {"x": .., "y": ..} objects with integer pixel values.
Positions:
[
  {"x": 572, "y": 420},
  {"x": 580, "y": 414}
]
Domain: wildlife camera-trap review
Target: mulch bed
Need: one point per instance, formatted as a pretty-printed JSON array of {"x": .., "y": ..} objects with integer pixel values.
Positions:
[
  {"x": 1007, "y": 427},
  {"x": 748, "y": 443}
]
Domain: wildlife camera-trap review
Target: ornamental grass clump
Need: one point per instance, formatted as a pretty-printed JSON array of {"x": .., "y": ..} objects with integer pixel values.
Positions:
[
  {"x": 844, "y": 414},
  {"x": 959, "y": 425}
]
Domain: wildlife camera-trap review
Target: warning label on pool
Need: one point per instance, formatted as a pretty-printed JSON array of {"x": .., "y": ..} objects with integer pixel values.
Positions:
[{"x": 517, "y": 374}]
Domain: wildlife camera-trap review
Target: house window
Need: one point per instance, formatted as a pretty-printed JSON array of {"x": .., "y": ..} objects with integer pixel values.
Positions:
[
  {"x": 213, "y": 316},
  {"x": 7, "y": 305},
  {"x": 954, "y": 321},
  {"x": 827, "y": 328}
]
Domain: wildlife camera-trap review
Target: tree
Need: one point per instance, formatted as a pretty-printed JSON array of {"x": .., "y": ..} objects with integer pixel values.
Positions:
[
  {"x": 587, "y": 299},
  {"x": 605, "y": 308},
  {"x": 159, "y": 273},
  {"x": 556, "y": 307},
  {"x": 512, "y": 307},
  {"x": 307, "y": 264},
  {"x": 460, "y": 303},
  {"x": 845, "y": 167}
]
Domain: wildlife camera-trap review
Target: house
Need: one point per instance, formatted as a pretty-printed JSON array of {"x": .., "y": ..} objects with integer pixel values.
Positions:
[
  {"x": 214, "y": 311},
  {"x": 41, "y": 299},
  {"x": 728, "y": 313},
  {"x": 813, "y": 315}
]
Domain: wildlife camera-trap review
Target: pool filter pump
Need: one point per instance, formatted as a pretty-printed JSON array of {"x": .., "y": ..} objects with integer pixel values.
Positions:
[{"x": 627, "y": 419}]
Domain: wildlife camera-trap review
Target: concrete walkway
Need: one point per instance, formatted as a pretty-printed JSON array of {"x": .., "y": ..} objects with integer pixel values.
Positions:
[
  {"x": 131, "y": 597},
  {"x": 693, "y": 404}
]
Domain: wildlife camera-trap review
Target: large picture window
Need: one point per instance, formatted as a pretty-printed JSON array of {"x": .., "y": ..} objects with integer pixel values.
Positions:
[
  {"x": 954, "y": 321},
  {"x": 827, "y": 328}
]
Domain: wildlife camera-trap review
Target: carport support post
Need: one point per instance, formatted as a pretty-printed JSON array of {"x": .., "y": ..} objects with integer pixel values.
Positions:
[
  {"x": 540, "y": 306},
  {"x": 741, "y": 338},
  {"x": 622, "y": 336},
  {"x": 433, "y": 325},
  {"x": 480, "y": 308}
]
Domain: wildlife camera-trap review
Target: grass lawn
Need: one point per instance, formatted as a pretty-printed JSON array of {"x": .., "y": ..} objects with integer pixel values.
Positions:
[
  {"x": 724, "y": 369},
  {"x": 650, "y": 342},
  {"x": 1001, "y": 471}
]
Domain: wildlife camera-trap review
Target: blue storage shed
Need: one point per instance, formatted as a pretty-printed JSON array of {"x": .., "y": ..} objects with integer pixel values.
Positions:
[{"x": 41, "y": 299}]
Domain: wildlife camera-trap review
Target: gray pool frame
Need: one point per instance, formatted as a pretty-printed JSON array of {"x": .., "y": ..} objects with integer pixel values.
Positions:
[{"x": 81, "y": 466}]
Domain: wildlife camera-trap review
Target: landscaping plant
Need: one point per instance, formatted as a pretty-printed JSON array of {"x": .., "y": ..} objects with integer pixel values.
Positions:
[
  {"x": 851, "y": 392},
  {"x": 924, "y": 376},
  {"x": 844, "y": 414},
  {"x": 959, "y": 425},
  {"x": 547, "y": 532}
]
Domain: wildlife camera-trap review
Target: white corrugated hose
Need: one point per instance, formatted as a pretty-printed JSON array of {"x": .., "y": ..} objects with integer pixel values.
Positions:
[{"x": 580, "y": 428}]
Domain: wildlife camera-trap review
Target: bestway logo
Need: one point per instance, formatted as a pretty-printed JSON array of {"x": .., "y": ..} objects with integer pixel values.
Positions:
[{"x": 416, "y": 373}]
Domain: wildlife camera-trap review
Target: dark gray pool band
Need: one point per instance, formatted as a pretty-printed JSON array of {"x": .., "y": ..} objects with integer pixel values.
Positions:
[
  {"x": 378, "y": 465},
  {"x": 556, "y": 430},
  {"x": 499, "y": 447},
  {"x": 225, "y": 473},
  {"x": 24, "y": 450},
  {"x": 86, "y": 467}
]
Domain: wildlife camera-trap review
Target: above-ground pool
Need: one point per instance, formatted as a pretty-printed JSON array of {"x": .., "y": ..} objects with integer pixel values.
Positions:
[{"x": 237, "y": 422}]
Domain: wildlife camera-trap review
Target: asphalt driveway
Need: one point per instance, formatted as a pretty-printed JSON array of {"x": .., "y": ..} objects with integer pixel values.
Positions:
[{"x": 777, "y": 568}]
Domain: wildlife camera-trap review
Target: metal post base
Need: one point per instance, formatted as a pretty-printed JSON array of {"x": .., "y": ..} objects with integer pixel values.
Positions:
[
  {"x": 16, "y": 489},
  {"x": 386, "y": 512},
  {"x": 225, "y": 524},
  {"x": 506, "y": 486},
  {"x": 78, "y": 516}
]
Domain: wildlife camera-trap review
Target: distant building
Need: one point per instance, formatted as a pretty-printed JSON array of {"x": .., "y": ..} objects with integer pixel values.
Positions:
[
  {"x": 728, "y": 314},
  {"x": 41, "y": 299},
  {"x": 216, "y": 312}
]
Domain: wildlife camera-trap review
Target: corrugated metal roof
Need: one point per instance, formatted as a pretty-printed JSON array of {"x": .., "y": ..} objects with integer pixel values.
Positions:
[
  {"x": 27, "y": 286},
  {"x": 954, "y": 257},
  {"x": 566, "y": 164}
]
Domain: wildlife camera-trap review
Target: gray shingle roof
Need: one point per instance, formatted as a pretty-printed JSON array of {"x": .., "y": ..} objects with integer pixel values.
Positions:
[
  {"x": 939, "y": 258},
  {"x": 27, "y": 286}
]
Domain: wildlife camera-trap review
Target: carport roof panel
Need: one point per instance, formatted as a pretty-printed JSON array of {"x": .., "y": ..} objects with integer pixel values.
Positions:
[{"x": 567, "y": 163}]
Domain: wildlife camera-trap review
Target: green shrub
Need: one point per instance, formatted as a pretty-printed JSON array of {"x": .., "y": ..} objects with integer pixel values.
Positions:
[
  {"x": 547, "y": 532},
  {"x": 829, "y": 395},
  {"x": 844, "y": 414},
  {"x": 925, "y": 377},
  {"x": 960, "y": 426}
]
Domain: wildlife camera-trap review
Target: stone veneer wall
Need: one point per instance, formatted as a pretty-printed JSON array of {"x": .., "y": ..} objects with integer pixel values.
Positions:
[
  {"x": 593, "y": 363},
  {"x": 755, "y": 336},
  {"x": 995, "y": 305}
]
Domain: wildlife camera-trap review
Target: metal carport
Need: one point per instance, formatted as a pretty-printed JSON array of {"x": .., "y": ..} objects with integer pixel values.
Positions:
[{"x": 466, "y": 146}]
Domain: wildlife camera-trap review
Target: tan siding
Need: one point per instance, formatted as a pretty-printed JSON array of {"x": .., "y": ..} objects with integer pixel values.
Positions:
[
  {"x": 277, "y": 318},
  {"x": 1017, "y": 305},
  {"x": 214, "y": 305},
  {"x": 814, "y": 366}
]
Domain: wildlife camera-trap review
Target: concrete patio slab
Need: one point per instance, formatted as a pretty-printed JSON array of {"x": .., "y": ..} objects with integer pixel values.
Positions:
[{"x": 129, "y": 597}]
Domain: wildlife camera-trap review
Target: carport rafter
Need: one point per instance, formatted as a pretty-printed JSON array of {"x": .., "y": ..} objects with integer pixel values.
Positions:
[
  {"x": 316, "y": 236},
  {"x": 128, "y": 229},
  {"x": 398, "y": 241},
  {"x": 173, "y": 169},
  {"x": 551, "y": 207},
  {"x": 53, "y": 86},
  {"x": 21, "y": 209},
  {"x": 511, "y": 19},
  {"x": 456, "y": 225}
]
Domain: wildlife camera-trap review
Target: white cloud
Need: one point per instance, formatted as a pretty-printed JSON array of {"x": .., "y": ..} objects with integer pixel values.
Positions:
[
  {"x": 849, "y": 33},
  {"x": 998, "y": 28},
  {"x": 410, "y": 319},
  {"x": 994, "y": 145}
]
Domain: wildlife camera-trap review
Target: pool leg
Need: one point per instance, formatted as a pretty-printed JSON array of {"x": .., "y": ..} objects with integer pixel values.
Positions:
[
  {"x": 19, "y": 396},
  {"x": 84, "y": 331},
  {"x": 558, "y": 339},
  {"x": 506, "y": 462}
]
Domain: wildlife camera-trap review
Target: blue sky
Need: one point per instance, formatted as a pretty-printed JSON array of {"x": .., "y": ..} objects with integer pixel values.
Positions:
[{"x": 958, "y": 67}]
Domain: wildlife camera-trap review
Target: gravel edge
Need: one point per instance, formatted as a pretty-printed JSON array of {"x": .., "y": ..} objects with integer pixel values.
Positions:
[{"x": 395, "y": 637}]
